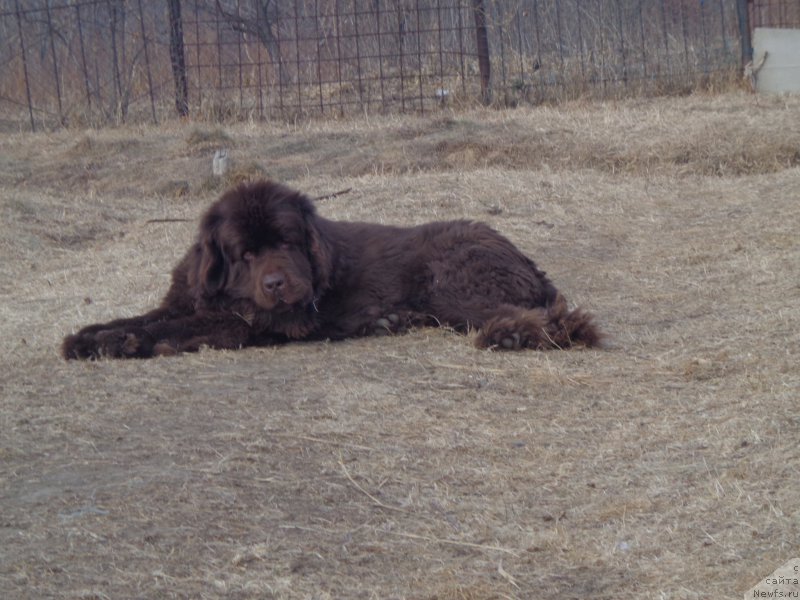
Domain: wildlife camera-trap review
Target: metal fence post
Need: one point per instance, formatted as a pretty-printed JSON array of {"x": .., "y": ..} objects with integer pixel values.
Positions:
[{"x": 743, "y": 14}]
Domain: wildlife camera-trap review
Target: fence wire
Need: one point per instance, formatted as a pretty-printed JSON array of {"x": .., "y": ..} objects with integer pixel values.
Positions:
[{"x": 93, "y": 62}]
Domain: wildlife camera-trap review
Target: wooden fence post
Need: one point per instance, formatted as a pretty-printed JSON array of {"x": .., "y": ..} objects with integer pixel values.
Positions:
[
  {"x": 56, "y": 76},
  {"x": 25, "y": 65},
  {"x": 484, "y": 63},
  {"x": 178, "y": 57},
  {"x": 147, "y": 65}
]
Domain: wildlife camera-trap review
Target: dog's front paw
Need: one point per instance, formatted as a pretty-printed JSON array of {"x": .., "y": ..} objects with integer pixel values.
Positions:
[
  {"x": 79, "y": 346},
  {"x": 118, "y": 343},
  {"x": 107, "y": 343}
]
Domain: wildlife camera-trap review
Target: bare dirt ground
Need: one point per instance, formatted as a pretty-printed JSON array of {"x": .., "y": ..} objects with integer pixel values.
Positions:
[{"x": 664, "y": 466}]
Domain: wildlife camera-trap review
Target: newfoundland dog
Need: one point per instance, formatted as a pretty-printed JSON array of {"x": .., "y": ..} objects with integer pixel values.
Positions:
[{"x": 266, "y": 269}]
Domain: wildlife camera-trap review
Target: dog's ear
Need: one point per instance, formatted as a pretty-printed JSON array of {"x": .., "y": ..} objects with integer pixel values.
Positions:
[
  {"x": 211, "y": 264},
  {"x": 322, "y": 261},
  {"x": 319, "y": 248}
]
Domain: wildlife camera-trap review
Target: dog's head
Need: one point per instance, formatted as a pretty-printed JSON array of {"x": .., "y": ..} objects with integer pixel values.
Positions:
[{"x": 262, "y": 241}]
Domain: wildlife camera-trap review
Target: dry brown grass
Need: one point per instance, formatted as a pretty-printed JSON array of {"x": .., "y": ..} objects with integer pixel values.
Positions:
[{"x": 665, "y": 466}]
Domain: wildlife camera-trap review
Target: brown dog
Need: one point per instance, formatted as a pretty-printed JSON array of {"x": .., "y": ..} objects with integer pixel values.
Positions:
[{"x": 267, "y": 269}]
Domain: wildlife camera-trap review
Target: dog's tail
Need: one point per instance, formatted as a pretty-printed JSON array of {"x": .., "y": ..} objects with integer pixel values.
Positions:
[{"x": 554, "y": 326}]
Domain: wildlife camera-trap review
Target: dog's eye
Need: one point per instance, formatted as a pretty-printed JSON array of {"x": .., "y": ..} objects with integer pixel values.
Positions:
[{"x": 248, "y": 256}]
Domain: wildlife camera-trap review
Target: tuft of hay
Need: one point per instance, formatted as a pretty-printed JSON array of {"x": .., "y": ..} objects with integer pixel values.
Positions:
[{"x": 202, "y": 140}]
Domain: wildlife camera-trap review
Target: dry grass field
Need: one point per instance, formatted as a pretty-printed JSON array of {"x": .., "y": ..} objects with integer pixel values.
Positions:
[{"x": 666, "y": 465}]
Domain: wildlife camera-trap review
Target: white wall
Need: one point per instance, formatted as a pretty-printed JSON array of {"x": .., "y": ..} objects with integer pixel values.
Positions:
[{"x": 781, "y": 70}]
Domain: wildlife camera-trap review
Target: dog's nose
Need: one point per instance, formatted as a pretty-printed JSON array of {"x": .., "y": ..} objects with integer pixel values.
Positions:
[{"x": 273, "y": 282}]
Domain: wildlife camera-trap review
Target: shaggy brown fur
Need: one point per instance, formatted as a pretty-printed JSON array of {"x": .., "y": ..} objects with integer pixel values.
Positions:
[{"x": 267, "y": 269}]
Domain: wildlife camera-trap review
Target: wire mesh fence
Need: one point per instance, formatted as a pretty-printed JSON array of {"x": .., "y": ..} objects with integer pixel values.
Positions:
[
  {"x": 92, "y": 62},
  {"x": 774, "y": 13}
]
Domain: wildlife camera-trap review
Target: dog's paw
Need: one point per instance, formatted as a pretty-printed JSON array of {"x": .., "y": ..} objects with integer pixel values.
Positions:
[
  {"x": 388, "y": 324},
  {"x": 79, "y": 346},
  {"x": 517, "y": 330},
  {"x": 107, "y": 343},
  {"x": 509, "y": 340},
  {"x": 118, "y": 343}
]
